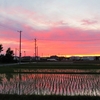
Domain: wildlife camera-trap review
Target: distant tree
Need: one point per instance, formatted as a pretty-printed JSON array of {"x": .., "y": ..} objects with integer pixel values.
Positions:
[
  {"x": 2, "y": 58},
  {"x": 9, "y": 55},
  {"x": 54, "y": 57},
  {"x": 1, "y": 48},
  {"x": 9, "y": 52}
]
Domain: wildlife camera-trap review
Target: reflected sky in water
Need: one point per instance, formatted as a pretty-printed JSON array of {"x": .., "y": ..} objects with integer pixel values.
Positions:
[{"x": 50, "y": 84}]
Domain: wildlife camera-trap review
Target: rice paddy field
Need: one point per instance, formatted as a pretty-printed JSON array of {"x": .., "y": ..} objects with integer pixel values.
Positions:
[{"x": 50, "y": 80}]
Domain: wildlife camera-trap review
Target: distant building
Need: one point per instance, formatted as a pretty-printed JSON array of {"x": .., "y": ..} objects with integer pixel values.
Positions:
[
  {"x": 26, "y": 59},
  {"x": 51, "y": 59},
  {"x": 88, "y": 58},
  {"x": 74, "y": 58}
]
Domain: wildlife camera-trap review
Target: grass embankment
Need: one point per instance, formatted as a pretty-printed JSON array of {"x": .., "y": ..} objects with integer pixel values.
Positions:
[
  {"x": 49, "y": 65},
  {"x": 34, "y": 97}
]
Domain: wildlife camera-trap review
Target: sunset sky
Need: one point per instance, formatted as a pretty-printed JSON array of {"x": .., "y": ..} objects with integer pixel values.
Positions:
[{"x": 61, "y": 27}]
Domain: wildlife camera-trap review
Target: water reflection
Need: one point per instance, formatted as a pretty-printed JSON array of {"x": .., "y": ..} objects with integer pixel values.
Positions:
[
  {"x": 9, "y": 85},
  {"x": 50, "y": 84}
]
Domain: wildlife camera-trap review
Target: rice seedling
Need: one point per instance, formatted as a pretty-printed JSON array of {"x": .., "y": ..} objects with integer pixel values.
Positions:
[{"x": 51, "y": 84}]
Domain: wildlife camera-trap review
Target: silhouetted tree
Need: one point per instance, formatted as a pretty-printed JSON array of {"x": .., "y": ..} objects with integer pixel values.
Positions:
[
  {"x": 9, "y": 52},
  {"x": 1, "y": 58},
  {"x": 9, "y": 55},
  {"x": 1, "y": 48},
  {"x": 54, "y": 57}
]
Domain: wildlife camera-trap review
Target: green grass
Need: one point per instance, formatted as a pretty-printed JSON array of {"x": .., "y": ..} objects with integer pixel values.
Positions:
[{"x": 49, "y": 65}]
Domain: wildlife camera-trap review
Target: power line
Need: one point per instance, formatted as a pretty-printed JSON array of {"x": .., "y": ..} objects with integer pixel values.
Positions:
[
  {"x": 53, "y": 39},
  {"x": 7, "y": 27},
  {"x": 70, "y": 40},
  {"x": 27, "y": 38}
]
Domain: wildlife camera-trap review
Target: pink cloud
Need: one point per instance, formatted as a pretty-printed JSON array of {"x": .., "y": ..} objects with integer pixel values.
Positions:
[
  {"x": 58, "y": 41},
  {"x": 64, "y": 41},
  {"x": 88, "y": 22},
  {"x": 53, "y": 40},
  {"x": 65, "y": 33}
]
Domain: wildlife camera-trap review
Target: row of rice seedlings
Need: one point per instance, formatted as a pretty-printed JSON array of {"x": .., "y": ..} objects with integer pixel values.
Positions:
[
  {"x": 45, "y": 84},
  {"x": 9, "y": 86},
  {"x": 56, "y": 70},
  {"x": 52, "y": 84},
  {"x": 66, "y": 84}
]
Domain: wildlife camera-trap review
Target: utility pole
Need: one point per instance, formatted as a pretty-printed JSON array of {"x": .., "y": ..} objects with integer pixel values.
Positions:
[
  {"x": 35, "y": 47},
  {"x": 20, "y": 46}
]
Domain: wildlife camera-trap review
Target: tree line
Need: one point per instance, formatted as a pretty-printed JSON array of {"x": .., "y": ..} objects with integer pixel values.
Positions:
[{"x": 8, "y": 57}]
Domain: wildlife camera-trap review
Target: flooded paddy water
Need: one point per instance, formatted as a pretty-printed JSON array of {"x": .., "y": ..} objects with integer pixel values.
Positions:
[{"x": 51, "y": 82}]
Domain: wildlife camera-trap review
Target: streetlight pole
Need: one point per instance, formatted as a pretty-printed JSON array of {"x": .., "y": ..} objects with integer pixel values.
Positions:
[
  {"x": 24, "y": 53},
  {"x": 15, "y": 52}
]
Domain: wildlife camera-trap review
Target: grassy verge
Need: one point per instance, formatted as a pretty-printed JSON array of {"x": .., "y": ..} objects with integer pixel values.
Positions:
[{"x": 49, "y": 65}]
